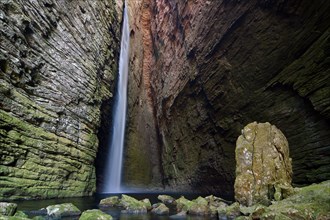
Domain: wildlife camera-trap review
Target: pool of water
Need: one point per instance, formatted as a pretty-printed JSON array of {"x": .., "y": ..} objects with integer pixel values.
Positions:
[{"x": 34, "y": 207}]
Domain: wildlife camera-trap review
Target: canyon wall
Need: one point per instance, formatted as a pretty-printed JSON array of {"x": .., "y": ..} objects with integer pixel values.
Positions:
[
  {"x": 216, "y": 66},
  {"x": 58, "y": 63},
  {"x": 142, "y": 156}
]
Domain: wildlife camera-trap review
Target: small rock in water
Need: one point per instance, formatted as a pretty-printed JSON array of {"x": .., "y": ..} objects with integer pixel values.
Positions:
[
  {"x": 162, "y": 209},
  {"x": 21, "y": 214},
  {"x": 229, "y": 212},
  {"x": 147, "y": 203},
  {"x": 183, "y": 204},
  {"x": 134, "y": 206},
  {"x": 180, "y": 215},
  {"x": 166, "y": 199},
  {"x": 200, "y": 207},
  {"x": 156, "y": 205},
  {"x": 110, "y": 201},
  {"x": 7, "y": 209},
  {"x": 94, "y": 214},
  {"x": 62, "y": 210}
]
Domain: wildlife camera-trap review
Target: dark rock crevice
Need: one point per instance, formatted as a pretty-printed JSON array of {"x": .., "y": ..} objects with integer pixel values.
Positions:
[{"x": 221, "y": 65}]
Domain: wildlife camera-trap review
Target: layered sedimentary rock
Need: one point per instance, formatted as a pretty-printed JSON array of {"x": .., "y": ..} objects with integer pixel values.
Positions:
[
  {"x": 142, "y": 156},
  {"x": 58, "y": 61},
  {"x": 218, "y": 65},
  {"x": 263, "y": 165}
]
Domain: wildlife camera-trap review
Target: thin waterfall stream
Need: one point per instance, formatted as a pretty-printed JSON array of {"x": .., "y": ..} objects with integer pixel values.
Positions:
[{"x": 113, "y": 170}]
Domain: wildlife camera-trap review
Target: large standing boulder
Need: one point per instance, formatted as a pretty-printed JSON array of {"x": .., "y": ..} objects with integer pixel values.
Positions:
[{"x": 263, "y": 166}]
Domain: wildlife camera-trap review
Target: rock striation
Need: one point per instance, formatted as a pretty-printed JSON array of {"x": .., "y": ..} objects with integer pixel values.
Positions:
[
  {"x": 142, "y": 154},
  {"x": 58, "y": 61},
  {"x": 218, "y": 65},
  {"x": 263, "y": 165}
]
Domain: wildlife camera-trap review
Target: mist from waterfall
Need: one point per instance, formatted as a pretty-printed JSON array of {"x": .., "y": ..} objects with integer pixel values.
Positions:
[{"x": 113, "y": 170}]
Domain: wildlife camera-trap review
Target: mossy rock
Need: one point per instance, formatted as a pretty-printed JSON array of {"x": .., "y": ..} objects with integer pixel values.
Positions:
[
  {"x": 13, "y": 218},
  {"x": 38, "y": 218},
  {"x": 231, "y": 212},
  {"x": 147, "y": 203},
  {"x": 311, "y": 202},
  {"x": 94, "y": 214},
  {"x": 161, "y": 209},
  {"x": 110, "y": 201},
  {"x": 7, "y": 209},
  {"x": 132, "y": 205},
  {"x": 21, "y": 214},
  {"x": 183, "y": 204},
  {"x": 166, "y": 199},
  {"x": 200, "y": 207},
  {"x": 62, "y": 210}
]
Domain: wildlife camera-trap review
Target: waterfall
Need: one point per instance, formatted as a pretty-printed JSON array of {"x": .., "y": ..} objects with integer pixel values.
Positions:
[{"x": 113, "y": 171}]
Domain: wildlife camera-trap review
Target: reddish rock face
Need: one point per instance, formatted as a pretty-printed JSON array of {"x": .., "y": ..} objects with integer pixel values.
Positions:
[{"x": 202, "y": 70}]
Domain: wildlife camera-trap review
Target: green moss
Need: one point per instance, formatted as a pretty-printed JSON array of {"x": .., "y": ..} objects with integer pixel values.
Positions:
[
  {"x": 133, "y": 205},
  {"x": 21, "y": 214},
  {"x": 62, "y": 210},
  {"x": 311, "y": 202},
  {"x": 94, "y": 214},
  {"x": 110, "y": 201},
  {"x": 183, "y": 204}
]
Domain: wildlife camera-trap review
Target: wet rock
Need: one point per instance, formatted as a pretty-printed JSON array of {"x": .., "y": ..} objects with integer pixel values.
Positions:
[
  {"x": 110, "y": 201},
  {"x": 183, "y": 204},
  {"x": 156, "y": 205},
  {"x": 94, "y": 214},
  {"x": 147, "y": 203},
  {"x": 229, "y": 212},
  {"x": 62, "y": 210},
  {"x": 310, "y": 202},
  {"x": 13, "y": 218},
  {"x": 56, "y": 69},
  {"x": 166, "y": 199},
  {"x": 38, "y": 218},
  {"x": 7, "y": 209},
  {"x": 161, "y": 209},
  {"x": 251, "y": 209},
  {"x": 180, "y": 215},
  {"x": 216, "y": 201},
  {"x": 21, "y": 214},
  {"x": 263, "y": 165},
  {"x": 200, "y": 207},
  {"x": 132, "y": 205},
  {"x": 206, "y": 80},
  {"x": 243, "y": 218}
]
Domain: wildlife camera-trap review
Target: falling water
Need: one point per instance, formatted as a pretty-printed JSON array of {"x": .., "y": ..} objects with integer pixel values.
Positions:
[{"x": 114, "y": 163}]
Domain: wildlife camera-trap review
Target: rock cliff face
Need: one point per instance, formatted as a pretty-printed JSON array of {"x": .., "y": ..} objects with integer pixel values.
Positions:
[
  {"x": 219, "y": 65},
  {"x": 58, "y": 61},
  {"x": 142, "y": 156}
]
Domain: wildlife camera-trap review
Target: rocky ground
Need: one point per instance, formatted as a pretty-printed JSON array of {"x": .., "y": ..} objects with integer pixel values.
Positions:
[{"x": 311, "y": 202}]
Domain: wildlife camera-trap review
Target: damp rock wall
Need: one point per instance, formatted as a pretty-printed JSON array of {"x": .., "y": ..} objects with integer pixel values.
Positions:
[
  {"x": 217, "y": 66},
  {"x": 58, "y": 63}
]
